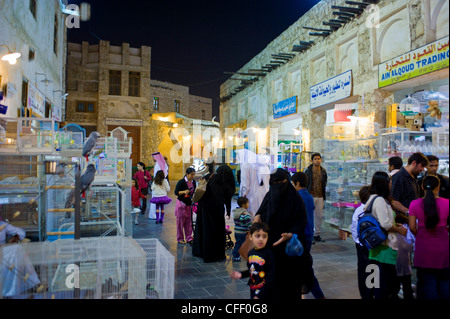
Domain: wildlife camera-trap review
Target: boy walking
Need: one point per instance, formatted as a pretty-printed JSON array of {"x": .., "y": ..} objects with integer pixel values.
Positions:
[
  {"x": 261, "y": 264},
  {"x": 300, "y": 182},
  {"x": 242, "y": 223}
]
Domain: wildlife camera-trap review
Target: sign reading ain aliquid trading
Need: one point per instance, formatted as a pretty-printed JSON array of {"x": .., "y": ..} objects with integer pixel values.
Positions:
[{"x": 426, "y": 59}]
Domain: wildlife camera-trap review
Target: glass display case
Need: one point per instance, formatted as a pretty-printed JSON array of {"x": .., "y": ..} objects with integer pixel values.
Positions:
[
  {"x": 345, "y": 179},
  {"x": 403, "y": 143},
  {"x": 350, "y": 164},
  {"x": 289, "y": 155}
]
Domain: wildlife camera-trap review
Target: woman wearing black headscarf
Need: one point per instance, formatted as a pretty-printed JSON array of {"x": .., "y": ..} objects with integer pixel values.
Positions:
[
  {"x": 209, "y": 234},
  {"x": 284, "y": 211}
]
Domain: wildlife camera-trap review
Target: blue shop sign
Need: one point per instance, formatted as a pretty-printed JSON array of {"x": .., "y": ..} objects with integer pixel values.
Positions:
[{"x": 285, "y": 107}]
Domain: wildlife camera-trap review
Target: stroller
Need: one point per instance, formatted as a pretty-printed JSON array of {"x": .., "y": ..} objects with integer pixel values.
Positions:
[{"x": 229, "y": 244}]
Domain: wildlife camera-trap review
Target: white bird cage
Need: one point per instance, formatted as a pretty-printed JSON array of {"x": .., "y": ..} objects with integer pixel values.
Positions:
[
  {"x": 105, "y": 157},
  {"x": 124, "y": 143},
  {"x": 160, "y": 269},
  {"x": 88, "y": 268}
]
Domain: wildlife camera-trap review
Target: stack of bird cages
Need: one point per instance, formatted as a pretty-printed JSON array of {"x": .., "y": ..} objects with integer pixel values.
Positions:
[
  {"x": 88, "y": 268},
  {"x": 59, "y": 219},
  {"x": 21, "y": 189},
  {"x": 105, "y": 157},
  {"x": 160, "y": 269}
]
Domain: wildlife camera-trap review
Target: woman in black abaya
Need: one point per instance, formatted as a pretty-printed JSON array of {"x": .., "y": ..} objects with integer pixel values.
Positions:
[
  {"x": 284, "y": 211},
  {"x": 209, "y": 234}
]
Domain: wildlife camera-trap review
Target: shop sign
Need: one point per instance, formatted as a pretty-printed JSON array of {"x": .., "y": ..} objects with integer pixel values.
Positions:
[
  {"x": 239, "y": 125},
  {"x": 331, "y": 90},
  {"x": 285, "y": 108},
  {"x": 36, "y": 100},
  {"x": 56, "y": 113},
  {"x": 124, "y": 122},
  {"x": 426, "y": 59}
]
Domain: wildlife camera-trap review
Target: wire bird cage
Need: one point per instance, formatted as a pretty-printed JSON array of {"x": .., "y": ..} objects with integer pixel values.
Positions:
[{"x": 88, "y": 268}]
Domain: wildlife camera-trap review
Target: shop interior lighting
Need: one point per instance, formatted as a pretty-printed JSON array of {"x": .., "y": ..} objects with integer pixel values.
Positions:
[{"x": 11, "y": 57}]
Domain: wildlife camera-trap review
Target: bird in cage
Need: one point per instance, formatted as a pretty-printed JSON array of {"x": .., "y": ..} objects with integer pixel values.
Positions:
[{"x": 90, "y": 144}]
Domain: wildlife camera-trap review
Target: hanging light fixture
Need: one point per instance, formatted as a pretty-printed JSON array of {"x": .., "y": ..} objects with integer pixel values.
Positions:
[
  {"x": 46, "y": 81},
  {"x": 11, "y": 57}
]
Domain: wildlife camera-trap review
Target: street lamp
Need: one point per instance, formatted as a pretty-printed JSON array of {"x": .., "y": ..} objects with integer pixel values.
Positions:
[
  {"x": 11, "y": 57},
  {"x": 46, "y": 81},
  {"x": 63, "y": 95}
]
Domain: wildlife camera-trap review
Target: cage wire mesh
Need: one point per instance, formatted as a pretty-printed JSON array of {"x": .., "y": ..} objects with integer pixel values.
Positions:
[{"x": 88, "y": 268}]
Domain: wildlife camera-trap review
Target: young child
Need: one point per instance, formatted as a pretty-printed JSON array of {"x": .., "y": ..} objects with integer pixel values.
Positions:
[
  {"x": 242, "y": 223},
  {"x": 160, "y": 187},
  {"x": 403, "y": 265},
  {"x": 135, "y": 196},
  {"x": 261, "y": 264}
]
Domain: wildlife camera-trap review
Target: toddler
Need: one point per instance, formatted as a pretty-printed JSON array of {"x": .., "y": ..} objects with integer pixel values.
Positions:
[{"x": 242, "y": 223}]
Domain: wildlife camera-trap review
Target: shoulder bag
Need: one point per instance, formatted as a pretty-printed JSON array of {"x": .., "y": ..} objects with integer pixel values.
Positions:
[{"x": 200, "y": 189}]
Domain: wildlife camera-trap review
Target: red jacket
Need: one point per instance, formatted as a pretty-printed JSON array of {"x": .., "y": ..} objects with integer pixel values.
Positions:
[
  {"x": 142, "y": 183},
  {"x": 135, "y": 195}
]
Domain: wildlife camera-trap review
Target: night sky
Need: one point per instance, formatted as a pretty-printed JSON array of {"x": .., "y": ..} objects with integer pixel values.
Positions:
[{"x": 193, "y": 42}]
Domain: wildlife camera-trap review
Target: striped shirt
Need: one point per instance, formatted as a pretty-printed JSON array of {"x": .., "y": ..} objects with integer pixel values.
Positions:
[{"x": 242, "y": 220}]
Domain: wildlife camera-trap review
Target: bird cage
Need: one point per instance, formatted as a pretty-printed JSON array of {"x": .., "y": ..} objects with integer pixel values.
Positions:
[
  {"x": 105, "y": 157},
  {"x": 8, "y": 135},
  {"x": 88, "y": 268},
  {"x": 35, "y": 135},
  {"x": 59, "y": 220},
  {"x": 124, "y": 143},
  {"x": 160, "y": 269},
  {"x": 91, "y": 268}
]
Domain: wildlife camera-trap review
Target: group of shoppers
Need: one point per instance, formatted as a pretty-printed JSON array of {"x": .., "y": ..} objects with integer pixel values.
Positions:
[{"x": 414, "y": 212}]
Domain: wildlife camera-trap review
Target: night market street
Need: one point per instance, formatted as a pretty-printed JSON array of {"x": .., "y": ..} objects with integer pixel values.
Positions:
[{"x": 334, "y": 263}]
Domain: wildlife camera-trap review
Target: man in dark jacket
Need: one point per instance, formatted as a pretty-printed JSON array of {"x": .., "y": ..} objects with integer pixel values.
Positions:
[{"x": 317, "y": 181}]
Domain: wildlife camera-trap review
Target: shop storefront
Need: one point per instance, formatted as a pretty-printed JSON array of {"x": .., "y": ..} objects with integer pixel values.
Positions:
[
  {"x": 355, "y": 145},
  {"x": 288, "y": 140}
]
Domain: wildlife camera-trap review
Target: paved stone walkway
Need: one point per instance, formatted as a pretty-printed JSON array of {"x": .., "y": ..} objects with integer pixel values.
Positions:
[{"x": 334, "y": 263}]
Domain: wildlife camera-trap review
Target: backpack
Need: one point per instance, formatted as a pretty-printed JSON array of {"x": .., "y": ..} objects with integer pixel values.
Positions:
[{"x": 370, "y": 233}]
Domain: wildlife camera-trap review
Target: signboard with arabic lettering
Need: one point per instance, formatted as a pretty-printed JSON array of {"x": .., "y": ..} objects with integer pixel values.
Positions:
[
  {"x": 36, "y": 100},
  {"x": 56, "y": 113},
  {"x": 426, "y": 59},
  {"x": 285, "y": 108},
  {"x": 331, "y": 90}
]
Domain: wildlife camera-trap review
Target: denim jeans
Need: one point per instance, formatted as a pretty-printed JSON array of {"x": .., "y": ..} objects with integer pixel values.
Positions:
[
  {"x": 316, "y": 291},
  {"x": 432, "y": 283},
  {"x": 240, "y": 238}
]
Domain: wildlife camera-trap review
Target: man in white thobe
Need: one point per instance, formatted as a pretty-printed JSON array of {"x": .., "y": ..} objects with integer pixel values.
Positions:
[{"x": 255, "y": 176}]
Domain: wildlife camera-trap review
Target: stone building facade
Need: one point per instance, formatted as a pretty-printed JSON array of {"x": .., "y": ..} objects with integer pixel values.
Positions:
[
  {"x": 36, "y": 30},
  {"x": 379, "y": 33},
  {"x": 111, "y": 86},
  {"x": 169, "y": 97}
]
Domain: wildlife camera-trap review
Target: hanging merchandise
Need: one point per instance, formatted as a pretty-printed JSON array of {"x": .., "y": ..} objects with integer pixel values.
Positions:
[{"x": 409, "y": 104}]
